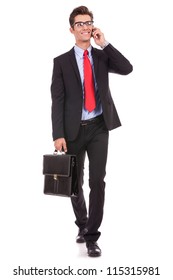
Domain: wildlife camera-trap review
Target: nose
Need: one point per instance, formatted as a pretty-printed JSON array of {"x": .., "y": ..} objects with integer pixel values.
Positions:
[{"x": 85, "y": 26}]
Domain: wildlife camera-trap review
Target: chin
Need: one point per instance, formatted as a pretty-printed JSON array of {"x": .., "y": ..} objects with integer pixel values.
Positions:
[{"x": 86, "y": 40}]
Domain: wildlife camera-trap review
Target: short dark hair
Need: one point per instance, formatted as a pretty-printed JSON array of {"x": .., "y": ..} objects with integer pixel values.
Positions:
[{"x": 81, "y": 10}]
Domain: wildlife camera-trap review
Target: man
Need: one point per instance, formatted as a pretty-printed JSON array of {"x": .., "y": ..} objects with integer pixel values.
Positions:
[{"x": 81, "y": 122}]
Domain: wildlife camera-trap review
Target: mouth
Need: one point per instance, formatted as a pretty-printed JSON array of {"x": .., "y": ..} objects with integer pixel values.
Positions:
[{"x": 86, "y": 33}]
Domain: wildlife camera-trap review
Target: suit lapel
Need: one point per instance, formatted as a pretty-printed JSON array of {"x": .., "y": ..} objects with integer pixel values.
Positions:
[
  {"x": 95, "y": 60},
  {"x": 74, "y": 63}
]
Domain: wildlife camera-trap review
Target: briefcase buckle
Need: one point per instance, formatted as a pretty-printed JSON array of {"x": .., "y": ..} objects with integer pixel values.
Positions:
[{"x": 55, "y": 177}]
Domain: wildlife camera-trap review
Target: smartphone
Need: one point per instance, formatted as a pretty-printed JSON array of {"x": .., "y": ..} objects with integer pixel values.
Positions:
[{"x": 92, "y": 33}]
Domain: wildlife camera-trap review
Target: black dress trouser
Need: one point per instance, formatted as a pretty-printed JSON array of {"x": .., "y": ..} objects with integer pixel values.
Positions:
[{"x": 93, "y": 140}]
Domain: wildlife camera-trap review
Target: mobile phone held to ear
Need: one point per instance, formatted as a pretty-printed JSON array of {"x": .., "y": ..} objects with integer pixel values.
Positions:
[
  {"x": 96, "y": 36},
  {"x": 92, "y": 32}
]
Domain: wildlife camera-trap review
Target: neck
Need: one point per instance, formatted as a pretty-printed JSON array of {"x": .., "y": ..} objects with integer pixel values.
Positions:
[{"x": 83, "y": 45}]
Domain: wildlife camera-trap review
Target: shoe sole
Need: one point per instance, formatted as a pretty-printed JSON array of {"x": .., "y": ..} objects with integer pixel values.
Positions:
[
  {"x": 80, "y": 241},
  {"x": 94, "y": 255}
]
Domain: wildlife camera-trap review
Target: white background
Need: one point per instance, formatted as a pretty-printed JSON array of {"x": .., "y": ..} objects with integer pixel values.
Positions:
[{"x": 39, "y": 230}]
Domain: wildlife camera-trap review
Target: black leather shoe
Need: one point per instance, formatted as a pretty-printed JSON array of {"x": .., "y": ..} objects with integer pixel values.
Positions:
[
  {"x": 80, "y": 237},
  {"x": 93, "y": 249}
]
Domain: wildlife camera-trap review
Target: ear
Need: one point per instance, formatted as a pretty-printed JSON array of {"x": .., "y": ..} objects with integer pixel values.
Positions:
[{"x": 71, "y": 30}]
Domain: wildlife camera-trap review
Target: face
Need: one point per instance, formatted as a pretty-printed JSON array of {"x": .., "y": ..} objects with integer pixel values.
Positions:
[{"x": 82, "y": 33}]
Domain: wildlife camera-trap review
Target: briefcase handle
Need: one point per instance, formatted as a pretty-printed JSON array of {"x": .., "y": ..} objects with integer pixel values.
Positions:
[{"x": 58, "y": 153}]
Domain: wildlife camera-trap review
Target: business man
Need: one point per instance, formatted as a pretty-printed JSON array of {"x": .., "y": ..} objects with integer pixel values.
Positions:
[{"x": 82, "y": 114}]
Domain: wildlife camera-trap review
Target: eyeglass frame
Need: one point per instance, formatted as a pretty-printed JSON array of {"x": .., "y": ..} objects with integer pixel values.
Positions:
[{"x": 87, "y": 23}]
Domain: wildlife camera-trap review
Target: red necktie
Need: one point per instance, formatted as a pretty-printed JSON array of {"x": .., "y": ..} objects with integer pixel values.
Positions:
[{"x": 90, "y": 102}]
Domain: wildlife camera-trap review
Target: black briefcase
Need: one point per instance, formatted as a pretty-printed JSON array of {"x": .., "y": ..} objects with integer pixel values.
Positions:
[{"x": 60, "y": 175}]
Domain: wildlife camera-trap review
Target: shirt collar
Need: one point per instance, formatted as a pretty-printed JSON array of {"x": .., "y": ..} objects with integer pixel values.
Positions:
[{"x": 80, "y": 51}]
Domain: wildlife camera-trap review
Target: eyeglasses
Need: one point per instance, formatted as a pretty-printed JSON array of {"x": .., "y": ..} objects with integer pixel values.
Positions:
[{"x": 81, "y": 23}]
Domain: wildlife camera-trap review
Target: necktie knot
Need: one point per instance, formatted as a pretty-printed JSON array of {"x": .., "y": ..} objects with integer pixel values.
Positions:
[{"x": 85, "y": 53}]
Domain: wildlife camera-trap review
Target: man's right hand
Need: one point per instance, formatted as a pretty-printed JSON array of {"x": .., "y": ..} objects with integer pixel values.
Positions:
[{"x": 60, "y": 145}]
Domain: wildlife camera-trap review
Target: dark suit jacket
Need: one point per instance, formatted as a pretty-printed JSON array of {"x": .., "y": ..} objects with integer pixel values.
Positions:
[{"x": 67, "y": 95}]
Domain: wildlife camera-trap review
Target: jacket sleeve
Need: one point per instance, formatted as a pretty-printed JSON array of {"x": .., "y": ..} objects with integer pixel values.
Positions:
[
  {"x": 57, "y": 95},
  {"x": 117, "y": 62}
]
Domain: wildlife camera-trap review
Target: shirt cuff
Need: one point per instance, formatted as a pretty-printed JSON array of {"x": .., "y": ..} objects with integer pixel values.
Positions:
[{"x": 105, "y": 44}]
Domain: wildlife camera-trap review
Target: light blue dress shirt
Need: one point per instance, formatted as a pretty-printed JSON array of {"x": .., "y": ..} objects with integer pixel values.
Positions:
[{"x": 79, "y": 58}]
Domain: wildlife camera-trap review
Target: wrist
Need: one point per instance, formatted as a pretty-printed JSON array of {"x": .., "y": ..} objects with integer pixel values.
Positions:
[{"x": 104, "y": 44}]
